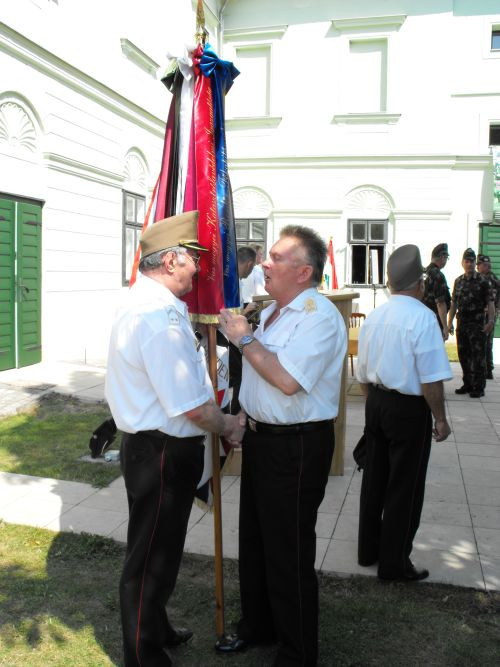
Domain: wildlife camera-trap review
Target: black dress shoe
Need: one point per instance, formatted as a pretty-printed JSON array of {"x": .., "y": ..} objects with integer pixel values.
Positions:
[
  {"x": 367, "y": 562},
  {"x": 181, "y": 636},
  {"x": 476, "y": 393},
  {"x": 489, "y": 376},
  {"x": 412, "y": 573},
  {"x": 232, "y": 644},
  {"x": 462, "y": 390}
]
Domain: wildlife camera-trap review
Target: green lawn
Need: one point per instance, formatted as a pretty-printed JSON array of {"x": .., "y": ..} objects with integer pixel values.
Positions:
[
  {"x": 59, "y": 607},
  {"x": 49, "y": 441}
]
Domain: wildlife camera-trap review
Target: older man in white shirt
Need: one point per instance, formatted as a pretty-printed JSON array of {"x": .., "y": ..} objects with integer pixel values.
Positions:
[
  {"x": 402, "y": 363},
  {"x": 290, "y": 391}
]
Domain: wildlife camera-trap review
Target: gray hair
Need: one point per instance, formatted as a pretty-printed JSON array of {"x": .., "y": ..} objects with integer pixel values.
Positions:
[
  {"x": 154, "y": 261},
  {"x": 314, "y": 246}
]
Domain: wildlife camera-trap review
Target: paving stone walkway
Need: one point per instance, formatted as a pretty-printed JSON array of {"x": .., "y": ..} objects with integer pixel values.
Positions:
[{"x": 459, "y": 535}]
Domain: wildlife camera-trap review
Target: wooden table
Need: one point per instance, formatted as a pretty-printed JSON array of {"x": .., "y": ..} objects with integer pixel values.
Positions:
[{"x": 343, "y": 301}]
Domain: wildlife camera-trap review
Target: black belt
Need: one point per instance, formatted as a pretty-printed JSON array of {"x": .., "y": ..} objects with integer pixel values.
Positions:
[
  {"x": 384, "y": 388},
  {"x": 283, "y": 429}
]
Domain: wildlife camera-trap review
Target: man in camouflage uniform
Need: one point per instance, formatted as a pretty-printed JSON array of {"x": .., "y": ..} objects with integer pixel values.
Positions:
[
  {"x": 484, "y": 268},
  {"x": 471, "y": 296},
  {"x": 437, "y": 295}
]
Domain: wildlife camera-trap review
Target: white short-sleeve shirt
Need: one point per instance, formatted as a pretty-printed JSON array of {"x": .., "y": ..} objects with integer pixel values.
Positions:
[
  {"x": 401, "y": 346},
  {"x": 156, "y": 368},
  {"x": 309, "y": 337}
]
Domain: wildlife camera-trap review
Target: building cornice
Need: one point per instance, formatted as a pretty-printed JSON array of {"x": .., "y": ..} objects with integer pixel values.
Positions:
[
  {"x": 83, "y": 170},
  {"x": 35, "y": 56},
  {"x": 252, "y": 122},
  {"x": 139, "y": 58},
  {"x": 306, "y": 213},
  {"x": 366, "y": 118},
  {"x": 428, "y": 161},
  {"x": 263, "y": 33},
  {"x": 369, "y": 23}
]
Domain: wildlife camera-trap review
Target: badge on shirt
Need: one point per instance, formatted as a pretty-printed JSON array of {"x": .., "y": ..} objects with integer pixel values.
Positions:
[
  {"x": 173, "y": 317},
  {"x": 310, "y": 306}
]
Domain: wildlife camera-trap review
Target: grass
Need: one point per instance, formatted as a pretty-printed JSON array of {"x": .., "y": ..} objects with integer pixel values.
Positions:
[
  {"x": 59, "y": 607},
  {"x": 451, "y": 349},
  {"x": 49, "y": 441}
]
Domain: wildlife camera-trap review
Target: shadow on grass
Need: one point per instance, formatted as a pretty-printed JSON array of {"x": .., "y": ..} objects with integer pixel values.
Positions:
[{"x": 59, "y": 606}]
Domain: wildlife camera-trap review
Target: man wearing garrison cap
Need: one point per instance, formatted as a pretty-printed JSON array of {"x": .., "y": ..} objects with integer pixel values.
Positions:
[
  {"x": 161, "y": 398},
  {"x": 472, "y": 296},
  {"x": 401, "y": 367},
  {"x": 436, "y": 294}
]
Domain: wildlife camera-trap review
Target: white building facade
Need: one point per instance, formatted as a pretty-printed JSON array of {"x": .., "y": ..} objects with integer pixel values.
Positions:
[{"x": 371, "y": 121}]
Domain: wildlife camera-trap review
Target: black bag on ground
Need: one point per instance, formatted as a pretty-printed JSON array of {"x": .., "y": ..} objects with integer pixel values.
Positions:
[
  {"x": 102, "y": 437},
  {"x": 359, "y": 452}
]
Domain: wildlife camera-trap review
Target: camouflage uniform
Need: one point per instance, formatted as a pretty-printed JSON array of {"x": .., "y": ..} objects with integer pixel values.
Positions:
[
  {"x": 471, "y": 297},
  {"x": 495, "y": 288},
  {"x": 436, "y": 290}
]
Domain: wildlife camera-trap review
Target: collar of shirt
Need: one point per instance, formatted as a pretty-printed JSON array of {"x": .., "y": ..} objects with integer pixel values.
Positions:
[
  {"x": 298, "y": 304},
  {"x": 155, "y": 289}
]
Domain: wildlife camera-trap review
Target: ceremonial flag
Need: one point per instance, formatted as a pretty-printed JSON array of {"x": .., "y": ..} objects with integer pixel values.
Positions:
[{"x": 331, "y": 257}]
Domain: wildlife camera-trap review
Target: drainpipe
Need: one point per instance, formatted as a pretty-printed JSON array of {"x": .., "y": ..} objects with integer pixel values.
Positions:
[{"x": 221, "y": 28}]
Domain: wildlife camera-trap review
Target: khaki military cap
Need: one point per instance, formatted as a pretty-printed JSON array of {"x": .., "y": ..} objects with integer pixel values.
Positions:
[
  {"x": 178, "y": 230},
  {"x": 404, "y": 267}
]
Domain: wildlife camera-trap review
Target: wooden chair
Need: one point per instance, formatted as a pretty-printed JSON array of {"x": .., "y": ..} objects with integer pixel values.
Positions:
[{"x": 355, "y": 322}]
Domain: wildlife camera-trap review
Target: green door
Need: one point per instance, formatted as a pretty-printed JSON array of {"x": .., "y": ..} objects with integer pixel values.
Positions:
[
  {"x": 20, "y": 283},
  {"x": 7, "y": 285},
  {"x": 489, "y": 244},
  {"x": 29, "y": 278}
]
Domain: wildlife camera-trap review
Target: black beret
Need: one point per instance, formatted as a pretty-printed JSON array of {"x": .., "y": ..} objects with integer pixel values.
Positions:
[
  {"x": 483, "y": 258},
  {"x": 469, "y": 254},
  {"x": 441, "y": 249}
]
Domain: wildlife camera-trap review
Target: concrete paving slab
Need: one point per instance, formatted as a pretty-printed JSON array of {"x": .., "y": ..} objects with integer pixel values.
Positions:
[
  {"x": 458, "y": 569},
  {"x": 483, "y": 495},
  {"x": 342, "y": 558},
  {"x": 107, "y": 499},
  {"x": 490, "y": 463},
  {"x": 485, "y": 477},
  {"x": 325, "y": 525},
  {"x": 39, "y": 514},
  {"x": 79, "y": 519},
  {"x": 449, "y": 514},
  {"x": 478, "y": 450},
  {"x": 450, "y": 493},
  {"x": 445, "y": 537},
  {"x": 488, "y": 541},
  {"x": 485, "y": 517}
]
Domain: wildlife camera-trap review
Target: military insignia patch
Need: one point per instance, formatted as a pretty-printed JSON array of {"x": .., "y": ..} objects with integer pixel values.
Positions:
[
  {"x": 173, "y": 317},
  {"x": 310, "y": 306}
]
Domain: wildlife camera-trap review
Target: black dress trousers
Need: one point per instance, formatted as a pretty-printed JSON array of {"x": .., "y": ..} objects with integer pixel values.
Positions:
[
  {"x": 398, "y": 433},
  {"x": 161, "y": 474},
  {"x": 283, "y": 481}
]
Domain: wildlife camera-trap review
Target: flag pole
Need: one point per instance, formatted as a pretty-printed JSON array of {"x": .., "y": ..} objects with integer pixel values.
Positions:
[
  {"x": 216, "y": 490},
  {"x": 201, "y": 37}
]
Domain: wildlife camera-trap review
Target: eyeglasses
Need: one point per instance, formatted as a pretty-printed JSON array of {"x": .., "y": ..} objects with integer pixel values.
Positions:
[{"x": 195, "y": 259}]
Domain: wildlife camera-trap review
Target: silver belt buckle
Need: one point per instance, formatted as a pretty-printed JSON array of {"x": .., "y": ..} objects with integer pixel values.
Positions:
[{"x": 252, "y": 424}]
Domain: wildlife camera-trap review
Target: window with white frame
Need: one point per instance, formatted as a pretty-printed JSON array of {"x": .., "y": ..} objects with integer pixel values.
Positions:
[
  {"x": 251, "y": 230},
  {"x": 367, "y": 243},
  {"x": 367, "y": 80},
  {"x": 495, "y": 38},
  {"x": 251, "y": 95},
  {"x": 133, "y": 220}
]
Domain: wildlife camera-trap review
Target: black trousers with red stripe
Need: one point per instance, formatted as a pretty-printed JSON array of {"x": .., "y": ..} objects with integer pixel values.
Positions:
[
  {"x": 398, "y": 435},
  {"x": 161, "y": 474},
  {"x": 283, "y": 481}
]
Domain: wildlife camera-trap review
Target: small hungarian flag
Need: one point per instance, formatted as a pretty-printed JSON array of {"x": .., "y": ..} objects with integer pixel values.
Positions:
[{"x": 331, "y": 257}]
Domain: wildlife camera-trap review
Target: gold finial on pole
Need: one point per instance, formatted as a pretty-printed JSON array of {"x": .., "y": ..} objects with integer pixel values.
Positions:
[{"x": 201, "y": 32}]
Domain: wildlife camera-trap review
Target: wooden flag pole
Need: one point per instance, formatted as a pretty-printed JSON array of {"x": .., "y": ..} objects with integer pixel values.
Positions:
[{"x": 216, "y": 490}]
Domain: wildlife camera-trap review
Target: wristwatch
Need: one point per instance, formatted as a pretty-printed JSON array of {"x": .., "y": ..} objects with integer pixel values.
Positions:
[{"x": 245, "y": 340}]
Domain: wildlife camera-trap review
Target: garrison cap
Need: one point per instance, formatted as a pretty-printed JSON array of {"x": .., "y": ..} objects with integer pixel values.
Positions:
[
  {"x": 404, "y": 267},
  {"x": 178, "y": 230},
  {"x": 469, "y": 254},
  {"x": 440, "y": 249},
  {"x": 483, "y": 258}
]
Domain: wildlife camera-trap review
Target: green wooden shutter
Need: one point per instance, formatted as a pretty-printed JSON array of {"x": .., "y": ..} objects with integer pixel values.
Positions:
[
  {"x": 7, "y": 291},
  {"x": 29, "y": 298},
  {"x": 490, "y": 245}
]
